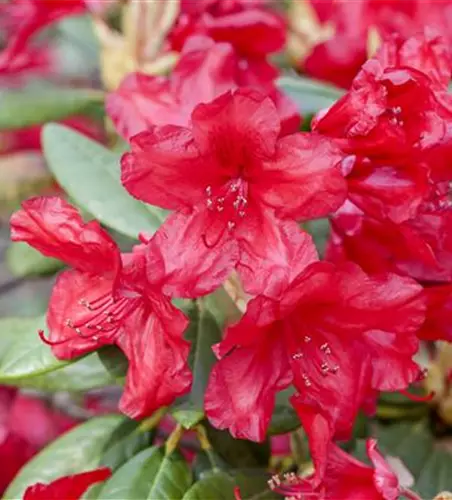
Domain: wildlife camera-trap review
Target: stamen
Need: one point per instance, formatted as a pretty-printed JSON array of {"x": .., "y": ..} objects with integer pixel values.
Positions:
[
  {"x": 50, "y": 342},
  {"x": 418, "y": 399}
]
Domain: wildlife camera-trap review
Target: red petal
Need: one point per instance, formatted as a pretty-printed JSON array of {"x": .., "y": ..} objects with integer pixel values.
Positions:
[
  {"x": 166, "y": 169},
  {"x": 180, "y": 261},
  {"x": 157, "y": 353},
  {"x": 68, "y": 487},
  {"x": 70, "y": 289},
  {"x": 303, "y": 181},
  {"x": 252, "y": 32},
  {"x": 272, "y": 253},
  {"x": 242, "y": 387},
  {"x": 237, "y": 128},
  {"x": 143, "y": 100},
  {"x": 385, "y": 480},
  {"x": 56, "y": 229},
  {"x": 438, "y": 323}
]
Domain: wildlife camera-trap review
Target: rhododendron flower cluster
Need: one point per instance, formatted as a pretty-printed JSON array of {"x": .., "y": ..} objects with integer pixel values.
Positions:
[{"x": 217, "y": 145}]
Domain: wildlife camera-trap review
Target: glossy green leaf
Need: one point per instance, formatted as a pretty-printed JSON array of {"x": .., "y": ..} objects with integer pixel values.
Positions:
[
  {"x": 36, "y": 105},
  {"x": 219, "y": 485},
  {"x": 80, "y": 375},
  {"x": 172, "y": 480},
  {"x": 90, "y": 174},
  {"x": 114, "y": 361},
  {"x": 284, "y": 418},
  {"x": 203, "y": 332},
  {"x": 133, "y": 480},
  {"x": 23, "y": 260},
  {"x": 22, "y": 352},
  {"x": 205, "y": 461},
  {"x": 79, "y": 450},
  {"x": 412, "y": 443},
  {"x": 216, "y": 485},
  {"x": 435, "y": 475},
  {"x": 238, "y": 453},
  {"x": 310, "y": 95},
  {"x": 128, "y": 443}
]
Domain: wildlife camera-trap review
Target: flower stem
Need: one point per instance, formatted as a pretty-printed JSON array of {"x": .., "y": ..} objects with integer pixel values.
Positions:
[
  {"x": 173, "y": 440},
  {"x": 152, "y": 422}
]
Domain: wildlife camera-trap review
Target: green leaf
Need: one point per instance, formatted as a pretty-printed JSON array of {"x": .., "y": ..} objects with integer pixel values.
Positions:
[
  {"x": 203, "y": 332},
  {"x": 310, "y": 95},
  {"x": 36, "y": 105},
  {"x": 133, "y": 480},
  {"x": 319, "y": 229},
  {"x": 22, "y": 352},
  {"x": 80, "y": 375},
  {"x": 253, "y": 485},
  {"x": 411, "y": 443},
  {"x": 238, "y": 453},
  {"x": 129, "y": 441},
  {"x": 205, "y": 461},
  {"x": 23, "y": 260},
  {"x": 76, "y": 451},
  {"x": 28, "y": 362},
  {"x": 216, "y": 485},
  {"x": 114, "y": 361},
  {"x": 219, "y": 485},
  {"x": 284, "y": 418},
  {"x": 435, "y": 475},
  {"x": 90, "y": 174},
  {"x": 173, "y": 478}
]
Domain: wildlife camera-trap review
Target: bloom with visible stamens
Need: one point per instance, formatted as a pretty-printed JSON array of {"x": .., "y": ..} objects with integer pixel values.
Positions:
[
  {"x": 237, "y": 189},
  {"x": 106, "y": 300},
  {"x": 333, "y": 333}
]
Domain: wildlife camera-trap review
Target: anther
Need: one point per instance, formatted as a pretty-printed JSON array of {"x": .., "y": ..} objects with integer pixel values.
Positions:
[{"x": 307, "y": 339}]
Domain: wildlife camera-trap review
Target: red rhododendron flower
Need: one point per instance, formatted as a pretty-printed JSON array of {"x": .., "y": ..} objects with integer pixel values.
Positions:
[
  {"x": 420, "y": 247},
  {"x": 438, "y": 323},
  {"x": 68, "y": 487},
  {"x": 253, "y": 30},
  {"x": 236, "y": 188},
  {"x": 339, "y": 58},
  {"x": 211, "y": 68},
  {"x": 29, "y": 138},
  {"x": 343, "y": 476},
  {"x": 333, "y": 333},
  {"x": 386, "y": 123},
  {"x": 25, "y": 18},
  {"x": 106, "y": 300},
  {"x": 26, "y": 425}
]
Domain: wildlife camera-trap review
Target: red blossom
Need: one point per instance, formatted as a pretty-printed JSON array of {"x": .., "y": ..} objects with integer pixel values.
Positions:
[
  {"x": 252, "y": 29},
  {"x": 236, "y": 188},
  {"x": 339, "y": 58},
  {"x": 211, "y": 68},
  {"x": 67, "y": 487},
  {"x": 390, "y": 124},
  {"x": 26, "y": 425},
  {"x": 333, "y": 332},
  {"x": 25, "y": 18},
  {"x": 106, "y": 300},
  {"x": 343, "y": 476}
]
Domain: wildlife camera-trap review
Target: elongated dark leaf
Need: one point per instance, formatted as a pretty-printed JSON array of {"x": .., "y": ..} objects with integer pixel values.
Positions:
[
  {"x": 90, "y": 174},
  {"x": 202, "y": 333},
  {"x": 133, "y": 480},
  {"x": 172, "y": 480},
  {"x": 311, "y": 96},
  {"x": 23, "y": 260},
  {"x": 33, "y": 106},
  {"x": 76, "y": 451}
]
